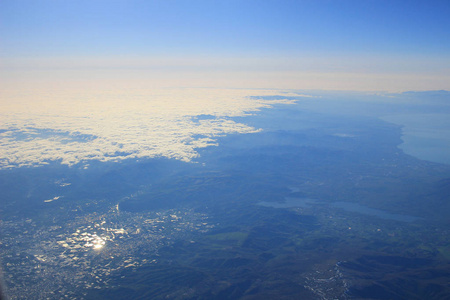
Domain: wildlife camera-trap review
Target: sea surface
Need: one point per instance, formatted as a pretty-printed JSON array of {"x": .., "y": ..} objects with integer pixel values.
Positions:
[{"x": 425, "y": 136}]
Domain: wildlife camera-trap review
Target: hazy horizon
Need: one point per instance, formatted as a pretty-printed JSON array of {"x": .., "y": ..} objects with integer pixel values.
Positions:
[{"x": 331, "y": 45}]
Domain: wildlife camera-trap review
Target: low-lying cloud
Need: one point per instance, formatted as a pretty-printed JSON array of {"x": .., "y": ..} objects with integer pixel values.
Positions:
[{"x": 75, "y": 126}]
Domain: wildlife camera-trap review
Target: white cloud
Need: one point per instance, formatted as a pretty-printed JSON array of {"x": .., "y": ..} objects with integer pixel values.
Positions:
[{"x": 78, "y": 125}]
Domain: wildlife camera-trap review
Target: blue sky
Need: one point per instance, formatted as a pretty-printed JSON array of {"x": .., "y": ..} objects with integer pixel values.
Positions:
[{"x": 385, "y": 37}]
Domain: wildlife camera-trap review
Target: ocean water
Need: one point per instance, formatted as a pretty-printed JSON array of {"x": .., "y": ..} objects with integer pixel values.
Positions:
[{"x": 425, "y": 136}]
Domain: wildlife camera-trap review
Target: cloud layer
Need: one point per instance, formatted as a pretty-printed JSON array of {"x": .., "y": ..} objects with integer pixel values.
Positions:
[{"x": 77, "y": 125}]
